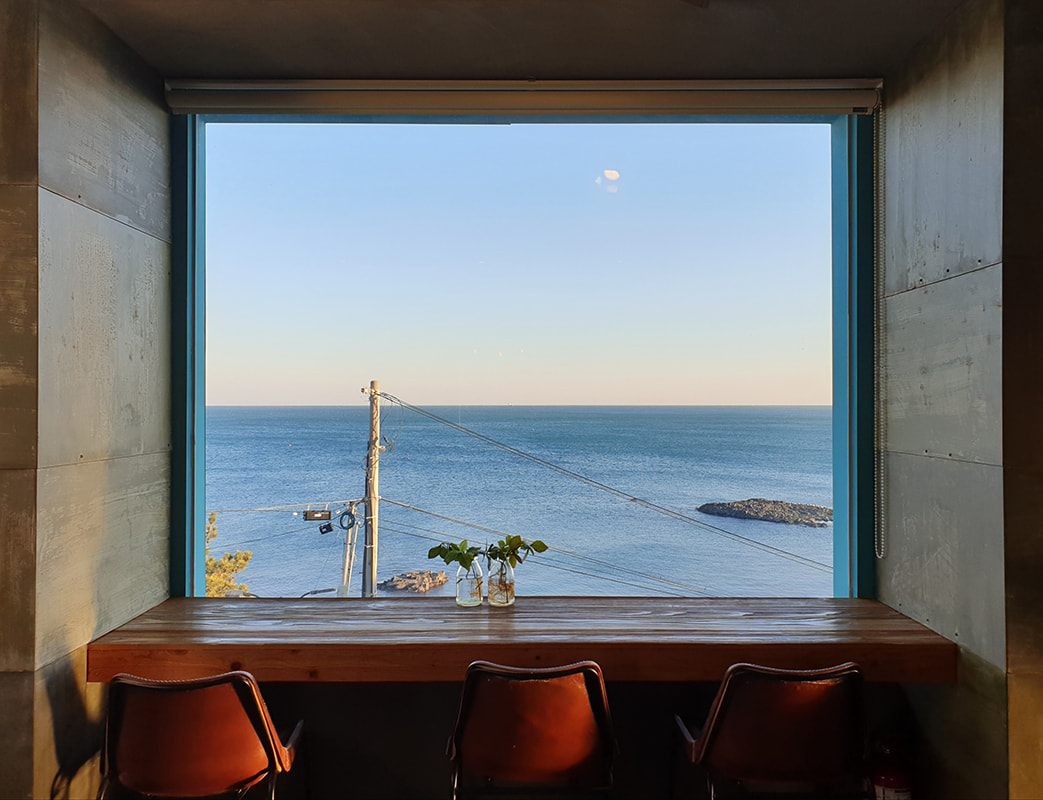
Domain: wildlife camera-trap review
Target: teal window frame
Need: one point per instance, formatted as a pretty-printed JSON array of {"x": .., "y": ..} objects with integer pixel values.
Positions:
[{"x": 854, "y": 573}]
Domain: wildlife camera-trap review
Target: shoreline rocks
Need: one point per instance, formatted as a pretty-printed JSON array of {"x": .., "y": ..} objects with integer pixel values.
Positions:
[
  {"x": 417, "y": 580},
  {"x": 772, "y": 511}
]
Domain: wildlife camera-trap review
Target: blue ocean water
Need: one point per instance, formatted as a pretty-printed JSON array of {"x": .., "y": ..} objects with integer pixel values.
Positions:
[{"x": 673, "y": 457}]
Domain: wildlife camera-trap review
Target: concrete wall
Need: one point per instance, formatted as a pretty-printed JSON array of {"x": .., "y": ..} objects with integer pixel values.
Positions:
[
  {"x": 84, "y": 390},
  {"x": 84, "y": 376},
  {"x": 942, "y": 369}
]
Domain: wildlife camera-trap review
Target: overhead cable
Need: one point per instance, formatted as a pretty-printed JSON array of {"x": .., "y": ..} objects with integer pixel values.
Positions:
[
  {"x": 669, "y": 512},
  {"x": 543, "y": 561}
]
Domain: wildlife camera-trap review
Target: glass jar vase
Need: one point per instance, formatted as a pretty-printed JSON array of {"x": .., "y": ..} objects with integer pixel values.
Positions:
[
  {"x": 469, "y": 585},
  {"x": 501, "y": 584}
]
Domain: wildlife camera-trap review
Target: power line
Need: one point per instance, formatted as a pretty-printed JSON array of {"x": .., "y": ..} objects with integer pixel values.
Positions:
[
  {"x": 543, "y": 561},
  {"x": 677, "y": 515},
  {"x": 273, "y": 536},
  {"x": 551, "y": 565},
  {"x": 290, "y": 507},
  {"x": 493, "y": 531}
]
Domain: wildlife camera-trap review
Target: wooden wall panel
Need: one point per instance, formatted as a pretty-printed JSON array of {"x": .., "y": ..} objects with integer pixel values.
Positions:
[
  {"x": 944, "y": 543},
  {"x": 105, "y": 329},
  {"x": 16, "y": 741},
  {"x": 18, "y": 93},
  {"x": 18, "y": 370},
  {"x": 103, "y": 552},
  {"x": 1023, "y": 491},
  {"x": 17, "y": 568},
  {"x": 943, "y": 368},
  {"x": 944, "y": 153},
  {"x": 1023, "y": 391},
  {"x": 18, "y": 325},
  {"x": 104, "y": 136}
]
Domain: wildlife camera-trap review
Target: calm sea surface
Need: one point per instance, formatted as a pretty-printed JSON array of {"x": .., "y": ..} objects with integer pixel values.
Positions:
[{"x": 674, "y": 457}]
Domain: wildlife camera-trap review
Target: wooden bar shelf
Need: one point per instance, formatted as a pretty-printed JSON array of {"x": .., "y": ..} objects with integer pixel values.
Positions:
[{"x": 433, "y": 639}]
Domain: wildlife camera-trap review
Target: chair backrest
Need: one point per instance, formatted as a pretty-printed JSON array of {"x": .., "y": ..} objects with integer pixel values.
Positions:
[
  {"x": 798, "y": 728},
  {"x": 189, "y": 738},
  {"x": 547, "y": 727}
]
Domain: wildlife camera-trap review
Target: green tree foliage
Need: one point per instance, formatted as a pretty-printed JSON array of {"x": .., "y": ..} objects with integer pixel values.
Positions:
[{"x": 221, "y": 573}]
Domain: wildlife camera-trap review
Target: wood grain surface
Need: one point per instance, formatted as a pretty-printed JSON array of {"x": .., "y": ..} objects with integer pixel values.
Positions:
[{"x": 433, "y": 639}]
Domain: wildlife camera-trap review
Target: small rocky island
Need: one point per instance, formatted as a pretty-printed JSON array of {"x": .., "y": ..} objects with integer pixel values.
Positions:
[
  {"x": 417, "y": 580},
  {"x": 772, "y": 511}
]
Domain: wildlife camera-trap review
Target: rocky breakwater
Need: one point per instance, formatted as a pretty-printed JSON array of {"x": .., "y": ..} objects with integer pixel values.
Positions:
[
  {"x": 417, "y": 580},
  {"x": 772, "y": 511}
]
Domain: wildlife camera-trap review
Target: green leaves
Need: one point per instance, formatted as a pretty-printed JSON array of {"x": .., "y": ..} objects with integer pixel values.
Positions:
[
  {"x": 511, "y": 550},
  {"x": 462, "y": 553}
]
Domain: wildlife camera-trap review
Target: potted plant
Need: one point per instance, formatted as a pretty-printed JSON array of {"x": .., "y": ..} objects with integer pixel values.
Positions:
[
  {"x": 468, "y": 574},
  {"x": 507, "y": 553}
]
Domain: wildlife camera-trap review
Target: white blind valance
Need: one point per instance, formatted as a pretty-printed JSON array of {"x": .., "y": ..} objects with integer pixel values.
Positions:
[{"x": 524, "y": 98}]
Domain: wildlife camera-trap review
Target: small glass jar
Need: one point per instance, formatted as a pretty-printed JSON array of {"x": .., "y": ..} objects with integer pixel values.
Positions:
[
  {"x": 501, "y": 584},
  {"x": 469, "y": 585}
]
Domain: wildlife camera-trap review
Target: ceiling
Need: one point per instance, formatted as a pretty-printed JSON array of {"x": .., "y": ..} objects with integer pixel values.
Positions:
[{"x": 522, "y": 39}]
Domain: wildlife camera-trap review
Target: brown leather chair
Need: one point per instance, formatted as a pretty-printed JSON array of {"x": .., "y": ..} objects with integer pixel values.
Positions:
[
  {"x": 783, "y": 732},
  {"x": 543, "y": 731},
  {"x": 191, "y": 738}
]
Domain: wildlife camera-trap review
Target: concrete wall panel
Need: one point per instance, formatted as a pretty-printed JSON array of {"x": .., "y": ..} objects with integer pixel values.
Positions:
[
  {"x": 105, "y": 327},
  {"x": 944, "y": 156},
  {"x": 944, "y": 562},
  {"x": 962, "y": 727},
  {"x": 944, "y": 328},
  {"x": 104, "y": 132},
  {"x": 103, "y": 548},
  {"x": 18, "y": 93},
  {"x": 943, "y": 369},
  {"x": 18, "y": 326},
  {"x": 17, "y": 568}
]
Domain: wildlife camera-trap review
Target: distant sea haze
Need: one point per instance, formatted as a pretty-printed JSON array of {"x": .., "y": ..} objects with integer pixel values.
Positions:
[{"x": 602, "y": 542}]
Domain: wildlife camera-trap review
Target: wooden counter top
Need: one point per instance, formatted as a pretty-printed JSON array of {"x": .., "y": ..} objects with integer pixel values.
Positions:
[{"x": 433, "y": 639}]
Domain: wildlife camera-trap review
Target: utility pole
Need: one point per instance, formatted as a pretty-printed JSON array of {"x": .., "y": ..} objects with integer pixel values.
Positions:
[{"x": 369, "y": 553}]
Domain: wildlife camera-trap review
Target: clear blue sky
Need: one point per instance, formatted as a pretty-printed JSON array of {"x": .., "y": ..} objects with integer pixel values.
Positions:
[{"x": 590, "y": 264}]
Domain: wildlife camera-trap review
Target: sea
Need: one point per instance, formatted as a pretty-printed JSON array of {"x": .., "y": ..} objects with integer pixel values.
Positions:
[{"x": 613, "y": 491}]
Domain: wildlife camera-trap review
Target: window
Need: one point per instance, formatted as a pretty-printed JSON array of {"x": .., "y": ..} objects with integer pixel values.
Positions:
[{"x": 843, "y": 130}]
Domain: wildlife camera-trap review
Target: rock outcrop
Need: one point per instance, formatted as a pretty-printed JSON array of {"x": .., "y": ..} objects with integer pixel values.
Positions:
[
  {"x": 417, "y": 580},
  {"x": 772, "y": 511}
]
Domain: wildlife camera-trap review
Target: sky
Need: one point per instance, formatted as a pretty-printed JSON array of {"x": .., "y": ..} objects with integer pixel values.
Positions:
[{"x": 525, "y": 264}]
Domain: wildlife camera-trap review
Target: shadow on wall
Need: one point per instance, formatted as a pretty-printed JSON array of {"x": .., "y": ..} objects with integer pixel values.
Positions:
[{"x": 77, "y": 724}]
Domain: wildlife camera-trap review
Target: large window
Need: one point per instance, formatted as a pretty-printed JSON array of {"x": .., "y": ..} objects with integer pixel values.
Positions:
[{"x": 632, "y": 303}]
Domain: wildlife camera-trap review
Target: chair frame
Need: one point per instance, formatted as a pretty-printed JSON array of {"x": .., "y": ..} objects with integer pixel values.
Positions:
[
  {"x": 596, "y": 693},
  {"x": 698, "y": 746},
  {"x": 280, "y": 756}
]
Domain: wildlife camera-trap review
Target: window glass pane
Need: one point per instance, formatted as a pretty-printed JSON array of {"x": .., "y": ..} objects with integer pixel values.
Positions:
[{"x": 645, "y": 307}]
